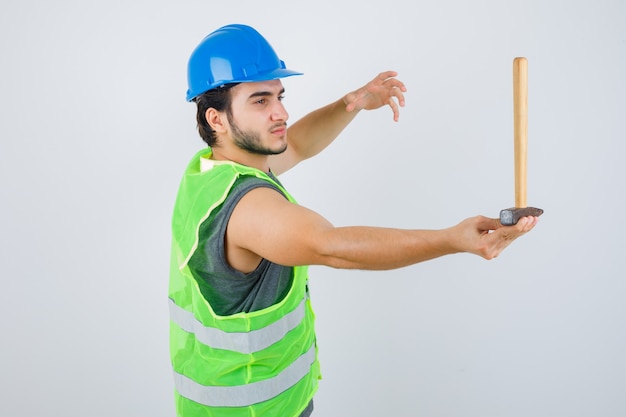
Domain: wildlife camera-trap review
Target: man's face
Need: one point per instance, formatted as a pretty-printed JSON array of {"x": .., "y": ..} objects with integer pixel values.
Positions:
[{"x": 258, "y": 119}]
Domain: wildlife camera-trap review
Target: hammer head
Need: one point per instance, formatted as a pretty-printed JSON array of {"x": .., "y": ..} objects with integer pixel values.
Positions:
[{"x": 510, "y": 216}]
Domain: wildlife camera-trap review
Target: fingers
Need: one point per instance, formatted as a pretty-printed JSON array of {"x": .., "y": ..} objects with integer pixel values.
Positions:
[
  {"x": 398, "y": 93},
  {"x": 395, "y": 110},
  {"x": 524, "y": 225},
  {"x": 386, "y": 75},
  {"x": 487, "y": 237},
  {"x": 503, "y": 236},
  {"x": 383, "y": 90},
  {"x": 394, "y": 88}
]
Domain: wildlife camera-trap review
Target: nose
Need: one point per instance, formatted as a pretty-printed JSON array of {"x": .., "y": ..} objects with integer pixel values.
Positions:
[{"x": 279, "y": 113}]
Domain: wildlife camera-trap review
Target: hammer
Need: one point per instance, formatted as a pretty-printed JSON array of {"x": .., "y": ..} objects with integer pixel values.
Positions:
[{"x": 511, "y": 216}]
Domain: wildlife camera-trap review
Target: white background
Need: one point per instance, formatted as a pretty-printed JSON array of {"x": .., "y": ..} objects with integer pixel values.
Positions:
[{"x": 95, "y": 134}]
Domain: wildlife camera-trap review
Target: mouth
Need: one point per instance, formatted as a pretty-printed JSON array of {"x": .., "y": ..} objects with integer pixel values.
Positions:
[{"x": 279, "y": 130}]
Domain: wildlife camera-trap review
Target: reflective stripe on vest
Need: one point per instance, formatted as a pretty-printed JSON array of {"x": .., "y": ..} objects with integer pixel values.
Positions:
[
  {"x": 248, "y": 342},
  {"x": 249, "y": 394}
]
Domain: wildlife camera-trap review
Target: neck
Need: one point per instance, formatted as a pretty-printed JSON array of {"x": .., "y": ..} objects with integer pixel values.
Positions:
[{"x": 260, "y": 162}]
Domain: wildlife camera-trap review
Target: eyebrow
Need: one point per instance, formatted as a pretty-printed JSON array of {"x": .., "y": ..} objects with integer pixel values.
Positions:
[{"x": 265, "y": 93}]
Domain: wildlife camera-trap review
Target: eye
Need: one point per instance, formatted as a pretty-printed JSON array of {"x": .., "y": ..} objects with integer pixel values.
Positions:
[
  {"x": 261, "y": 101},
  {"x": 281, "y": 97}
]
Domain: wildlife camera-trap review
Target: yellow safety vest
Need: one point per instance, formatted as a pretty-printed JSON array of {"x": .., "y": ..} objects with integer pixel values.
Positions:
[{"x": 262, "y": 363}]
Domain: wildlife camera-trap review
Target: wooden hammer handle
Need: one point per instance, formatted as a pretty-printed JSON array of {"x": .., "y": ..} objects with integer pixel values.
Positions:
[{"x": 520, "y": 122}]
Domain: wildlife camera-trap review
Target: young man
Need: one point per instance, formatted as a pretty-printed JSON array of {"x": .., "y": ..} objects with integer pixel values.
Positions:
[{"x": 242, "y": 336}]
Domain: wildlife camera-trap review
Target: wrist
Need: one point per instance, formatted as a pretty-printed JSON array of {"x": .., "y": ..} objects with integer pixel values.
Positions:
[{"x": 451, "y": 240}]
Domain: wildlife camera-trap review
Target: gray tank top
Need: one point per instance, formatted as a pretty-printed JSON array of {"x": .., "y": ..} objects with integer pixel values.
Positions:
[{"x": 227, "y": 290}]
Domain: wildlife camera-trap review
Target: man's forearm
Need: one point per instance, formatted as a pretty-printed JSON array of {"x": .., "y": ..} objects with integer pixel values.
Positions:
[
  {"x": 315, "y": 131},
  {"x": 374, "y": 248}
]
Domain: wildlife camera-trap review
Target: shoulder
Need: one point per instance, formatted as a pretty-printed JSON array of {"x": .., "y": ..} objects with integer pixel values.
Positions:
[
  {"x": 246, "y": 183},
  {"x": 253, "y": 210}
]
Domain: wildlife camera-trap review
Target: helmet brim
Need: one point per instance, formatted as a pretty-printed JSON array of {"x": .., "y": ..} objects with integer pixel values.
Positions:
[{"x": 271, "y": 75}]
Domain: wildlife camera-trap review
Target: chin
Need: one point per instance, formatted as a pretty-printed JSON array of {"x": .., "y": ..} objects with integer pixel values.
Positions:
[
  {"x": 280, "y": 148},
  {"x": 279, "y": 151}
]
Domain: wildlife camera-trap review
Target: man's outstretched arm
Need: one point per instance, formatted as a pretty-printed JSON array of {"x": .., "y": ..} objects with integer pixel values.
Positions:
[
  {"x": 265, "y": 225},
  {"x": 314, "y": 132}
]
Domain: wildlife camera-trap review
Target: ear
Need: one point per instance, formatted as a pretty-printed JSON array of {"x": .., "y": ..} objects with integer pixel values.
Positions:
[{"x": 216, "y": 119}]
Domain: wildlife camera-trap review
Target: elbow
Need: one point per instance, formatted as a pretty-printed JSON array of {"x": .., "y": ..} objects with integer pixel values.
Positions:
[{"x": 326, "y": 250}]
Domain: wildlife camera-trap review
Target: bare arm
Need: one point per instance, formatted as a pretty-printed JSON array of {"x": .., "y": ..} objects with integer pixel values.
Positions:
[
  {"x": 265, "y": 225},
  {"x": 314, "y": 132}
]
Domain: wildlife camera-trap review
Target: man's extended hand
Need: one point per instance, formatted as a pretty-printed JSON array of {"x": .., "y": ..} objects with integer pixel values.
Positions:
[
  {"x": 377, "y": 93},
  {"x": 486, "y": 237}
]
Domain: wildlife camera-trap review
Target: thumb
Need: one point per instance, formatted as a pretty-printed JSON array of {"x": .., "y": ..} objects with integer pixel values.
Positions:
[
  {"x": 486, "y": 224},
  {"x": 350, "y": 100}
]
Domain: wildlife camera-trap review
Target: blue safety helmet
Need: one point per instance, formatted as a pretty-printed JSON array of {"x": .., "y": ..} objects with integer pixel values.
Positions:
[{"x": 232, "y": 54}]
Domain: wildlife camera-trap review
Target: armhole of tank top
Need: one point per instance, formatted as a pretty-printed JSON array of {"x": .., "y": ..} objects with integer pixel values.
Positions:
[{"x": 239, "y": 191}]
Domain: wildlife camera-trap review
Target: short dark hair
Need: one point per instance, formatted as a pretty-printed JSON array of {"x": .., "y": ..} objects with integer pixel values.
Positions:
[{"x": 218, "y": 98}]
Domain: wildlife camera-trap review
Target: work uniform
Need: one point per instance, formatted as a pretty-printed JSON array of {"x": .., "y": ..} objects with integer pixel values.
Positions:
[{"x": 241, "y": 344}]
